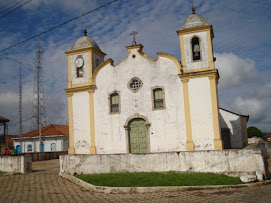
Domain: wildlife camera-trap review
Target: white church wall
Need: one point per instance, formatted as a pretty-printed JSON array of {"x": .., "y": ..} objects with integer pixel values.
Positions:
[
  {"x": 204, "y": 62},
  {"x": 234, "y": 124},
  {"x": 75, "y": 79},
  {"x": 201, "y": 113},
  {"x": 167, "y": 130},
  {"x": 81, "y": 122}
]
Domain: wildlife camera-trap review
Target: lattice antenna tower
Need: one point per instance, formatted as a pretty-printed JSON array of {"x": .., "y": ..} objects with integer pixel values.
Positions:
[
  {"x": 20, "y": 104},
  {"x": 38, "y": 110}
]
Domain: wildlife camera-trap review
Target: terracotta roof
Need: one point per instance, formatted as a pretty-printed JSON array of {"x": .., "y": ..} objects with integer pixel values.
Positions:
[{"x": 49, "y": 130}]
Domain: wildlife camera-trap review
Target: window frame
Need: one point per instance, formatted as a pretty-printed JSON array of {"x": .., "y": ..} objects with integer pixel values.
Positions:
[
  {"x": 200, "y": 47},
  {"x": 52, "y": 147},
  {"x": 110, "y": 103},
  {"x": 29, "y": 145},
  {"x": 129, "y": 84},
  {"x": 153, "y": 99}
]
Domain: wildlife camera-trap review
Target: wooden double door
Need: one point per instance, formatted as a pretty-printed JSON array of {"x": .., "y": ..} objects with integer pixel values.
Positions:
[{"x": 138, "y": 136}]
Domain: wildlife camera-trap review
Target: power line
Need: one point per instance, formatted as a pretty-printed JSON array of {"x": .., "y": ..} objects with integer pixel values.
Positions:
[
  {"x": 7, "y": 4},
  {"x": 15, "y": 9},
  {"x": 11, "y": 7},
  {"x": 53, "y": 28}
]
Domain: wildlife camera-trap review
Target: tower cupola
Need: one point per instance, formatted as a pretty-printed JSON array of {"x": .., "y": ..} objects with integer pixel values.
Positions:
[{"x": 85, "y": 41}]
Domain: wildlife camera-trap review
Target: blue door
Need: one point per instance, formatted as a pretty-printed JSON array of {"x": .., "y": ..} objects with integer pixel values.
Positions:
[
  {"x": 18, "y": 149},
  {"x": 42, "y": 147}
]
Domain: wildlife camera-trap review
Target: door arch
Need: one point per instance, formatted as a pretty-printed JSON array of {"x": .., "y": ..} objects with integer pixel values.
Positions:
[
  {"x": 18, "y": 149},
  {"x": 137, "y": 134},
  {"x": 42, "y": 147}
]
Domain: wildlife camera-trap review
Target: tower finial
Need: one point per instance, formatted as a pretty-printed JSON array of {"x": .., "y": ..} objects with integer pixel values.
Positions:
[
  {"x": 85, "y": 31},
  {"x": 193, "y": 8}
]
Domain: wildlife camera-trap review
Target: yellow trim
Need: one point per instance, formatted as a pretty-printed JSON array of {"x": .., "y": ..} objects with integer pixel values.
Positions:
[
  {"x": 174, "y": 59},
  {"x": 218, "y": 144},
  {"x": 71, "y": 149},
  {"x": 209, "y": 34},
  {"x": 80, "y": 89},
  {"x": 210, "y": 50},
  {"x": 69, "y": 72},
  {"x": 200, "y": 74},
  {"x": 196, "y": 29},
  {"x": 92, "y": 127},
  {"x": 196, "y": 70},
  {"x": 80, "y": 84},
  {"x": 182, "y": 51},
  {"x": 90, "y": 66},
  {"x": 84, "y": 50},
  {"x": 189, "y": 140},
  {"x": 138, "y": 47}
]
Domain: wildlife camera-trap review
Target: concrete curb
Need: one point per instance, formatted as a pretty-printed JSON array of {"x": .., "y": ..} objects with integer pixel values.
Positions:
[{"x": 123, "y": 190}]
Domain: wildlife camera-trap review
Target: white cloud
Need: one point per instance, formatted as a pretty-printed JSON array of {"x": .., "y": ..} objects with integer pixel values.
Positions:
[
  {"x": 254, "y": 107},
  {"x": 233, "y": 70}
]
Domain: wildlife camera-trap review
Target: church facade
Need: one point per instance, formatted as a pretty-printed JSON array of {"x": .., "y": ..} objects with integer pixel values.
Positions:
[{"x": 147, "y": 105}]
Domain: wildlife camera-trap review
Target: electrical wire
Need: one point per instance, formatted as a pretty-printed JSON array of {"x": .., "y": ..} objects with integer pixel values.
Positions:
[
  {"x": 15, "y": 9},
  {"x": 53, "y": 28},
  {"x": 11, "y": 6},
  {"x": 7, "y": 4}
]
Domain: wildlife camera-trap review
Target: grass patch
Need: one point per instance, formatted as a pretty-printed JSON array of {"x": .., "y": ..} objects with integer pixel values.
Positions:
[{"x": 158, "y": 179}]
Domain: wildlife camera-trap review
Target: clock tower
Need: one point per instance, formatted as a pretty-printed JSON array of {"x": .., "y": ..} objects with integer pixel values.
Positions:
[
  {"x": 83, "y": 58},
  {"x": 199, "y": 79}
]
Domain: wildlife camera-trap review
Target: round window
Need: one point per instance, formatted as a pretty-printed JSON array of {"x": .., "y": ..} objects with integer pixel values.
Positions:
[{"x": 135, "y": 84}]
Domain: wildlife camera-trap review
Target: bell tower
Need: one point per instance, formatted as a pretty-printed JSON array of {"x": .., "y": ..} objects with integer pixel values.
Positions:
[
  {"x": 195, "y": 38},
  {"x": 199, "y": 78},
  {"x": 83, "y": 58}
]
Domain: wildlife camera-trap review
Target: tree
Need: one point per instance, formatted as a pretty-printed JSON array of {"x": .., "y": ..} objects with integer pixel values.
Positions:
[{"x": 252, "y": 131}]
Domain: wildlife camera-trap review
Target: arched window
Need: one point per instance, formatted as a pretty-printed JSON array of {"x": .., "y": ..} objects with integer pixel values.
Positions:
[
  {"x": 53, "y": 147},
  {"x": 29, "y": 148},
  {"x": 114, "y": 103},
  {"x": 158, "y": 98},
  {"x": 196, "y": 48},
  {"x": 79, "y": 72}
]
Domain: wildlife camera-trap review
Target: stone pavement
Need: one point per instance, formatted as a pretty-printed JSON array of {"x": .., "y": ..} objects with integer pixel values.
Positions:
[{"x": 45, "y": 185}]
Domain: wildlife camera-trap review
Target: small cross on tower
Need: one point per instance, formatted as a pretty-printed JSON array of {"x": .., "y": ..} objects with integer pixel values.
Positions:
[{"x": 133, "y": 33}]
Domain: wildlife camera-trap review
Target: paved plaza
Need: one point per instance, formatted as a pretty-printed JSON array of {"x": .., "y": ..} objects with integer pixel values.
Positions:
[{"x": 45, "y": 185}]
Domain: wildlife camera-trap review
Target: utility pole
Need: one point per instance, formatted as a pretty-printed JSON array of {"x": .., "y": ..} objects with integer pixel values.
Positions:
[
  {"x": 38, "y": 111},
  {"x": 20, "y": 107}
]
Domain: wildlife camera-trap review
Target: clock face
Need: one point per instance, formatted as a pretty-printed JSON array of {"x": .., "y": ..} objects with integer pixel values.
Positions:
[{"x": 79, "y": 62}]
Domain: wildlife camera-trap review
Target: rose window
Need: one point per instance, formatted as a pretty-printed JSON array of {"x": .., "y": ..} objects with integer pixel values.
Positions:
[{"x": 135, "y": 84}]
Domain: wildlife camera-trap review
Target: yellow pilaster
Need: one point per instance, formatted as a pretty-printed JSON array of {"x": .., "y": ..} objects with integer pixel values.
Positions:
[
  {"x": 182, "y": 52},
  {"x": 90, "y": 68},
  {"x": 71, "y": 138},
  {"x": 189, "y": 140},
  {"x": 210, "y": 50},
  {"x": 218, "y": 144},
  {"x": 69, "y": 72},
  {"x": 92, "y": 128}
]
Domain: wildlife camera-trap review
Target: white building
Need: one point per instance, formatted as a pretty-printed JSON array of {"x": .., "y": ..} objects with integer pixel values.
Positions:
[
  {"x": 147, "y": 105},
  {"x": 54, "y": 138}
]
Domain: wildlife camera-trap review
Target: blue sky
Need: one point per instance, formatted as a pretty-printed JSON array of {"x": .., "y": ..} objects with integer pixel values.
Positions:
[{"x": 242, "y": 47}]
